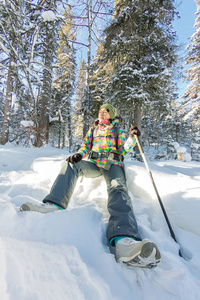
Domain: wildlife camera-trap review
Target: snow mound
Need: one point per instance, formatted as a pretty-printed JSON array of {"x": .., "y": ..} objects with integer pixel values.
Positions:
[{"x": 64, "y": 255}]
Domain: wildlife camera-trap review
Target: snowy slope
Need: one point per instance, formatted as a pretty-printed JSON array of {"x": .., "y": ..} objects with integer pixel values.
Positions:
[{"x": 64, "y": 255}]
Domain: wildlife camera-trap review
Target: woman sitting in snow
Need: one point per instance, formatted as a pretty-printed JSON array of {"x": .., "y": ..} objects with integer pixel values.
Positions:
[{"x": 105, "y": 156}]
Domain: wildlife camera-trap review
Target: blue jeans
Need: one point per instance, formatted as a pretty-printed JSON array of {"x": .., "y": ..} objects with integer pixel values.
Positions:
[{"x": 122, "y": 221}]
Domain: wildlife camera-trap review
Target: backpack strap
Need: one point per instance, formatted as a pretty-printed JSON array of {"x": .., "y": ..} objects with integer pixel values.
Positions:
[{"x": 115, "y": 134}]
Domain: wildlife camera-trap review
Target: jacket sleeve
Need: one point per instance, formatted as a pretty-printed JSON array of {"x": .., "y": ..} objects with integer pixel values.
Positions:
[
  {"x": 125, "y": 146},
  {"x": 87, "y": 143}
]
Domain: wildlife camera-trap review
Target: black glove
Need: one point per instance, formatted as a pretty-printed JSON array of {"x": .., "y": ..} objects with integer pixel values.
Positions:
[
  {"x": 74, "y": 158},
  {"x": 134, "y": 130}
]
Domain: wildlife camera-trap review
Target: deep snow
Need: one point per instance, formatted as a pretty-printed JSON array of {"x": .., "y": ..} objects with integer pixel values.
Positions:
[{"x": 64, "y": 255}]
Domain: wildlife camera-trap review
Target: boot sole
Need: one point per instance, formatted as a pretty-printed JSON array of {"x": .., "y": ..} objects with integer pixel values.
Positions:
[
  {"x": 31, "y": 207},
  {"x": 148, "y": 256}
]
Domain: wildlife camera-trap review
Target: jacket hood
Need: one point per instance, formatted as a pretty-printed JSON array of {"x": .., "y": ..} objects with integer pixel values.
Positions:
[{"x": 114, "y": 121}]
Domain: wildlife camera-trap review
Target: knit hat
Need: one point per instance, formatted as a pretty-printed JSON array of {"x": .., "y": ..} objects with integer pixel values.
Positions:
[{"x": 110, "y": 109}]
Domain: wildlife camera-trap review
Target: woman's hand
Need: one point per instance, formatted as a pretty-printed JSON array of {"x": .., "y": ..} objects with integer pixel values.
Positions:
[
  {"x": 134, "y": 131},
  {"x": 74, "y": 158}
]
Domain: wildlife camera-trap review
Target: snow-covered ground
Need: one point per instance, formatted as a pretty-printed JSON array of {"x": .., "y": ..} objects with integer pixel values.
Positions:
[{"x": 64, "y": 255}]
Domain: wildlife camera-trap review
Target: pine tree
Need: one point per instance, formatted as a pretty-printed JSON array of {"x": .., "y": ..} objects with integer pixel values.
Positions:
[
  {"x": 195, "y": 147},
  {"x": 89, "y": 17},
  {"x": 49, "y": 30},
  {"x": 101, "y": 72},
  {"x": 192, "y": 95},
  {"x": 141, "y": 45},
  {"x": 64, "y": 83},
  {"x": 10, "y": 38},
  {"x": 28, "y": 44},
  {"x": 78, "y": 117}
]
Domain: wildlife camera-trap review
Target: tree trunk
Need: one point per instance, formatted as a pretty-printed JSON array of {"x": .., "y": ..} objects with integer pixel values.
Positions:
[
  {"x": 42, "y": 135},
  {"x": 69, "y": 121},
  {"x": 137, "y": 121},
  {"x": 6, "y": 119},
  {"x": 137, "y": 116},
  {"x": 88, "y": 96}
]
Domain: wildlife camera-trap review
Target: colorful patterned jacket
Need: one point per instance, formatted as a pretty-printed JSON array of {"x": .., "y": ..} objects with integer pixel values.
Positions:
[{"x": 104, "y": 141}]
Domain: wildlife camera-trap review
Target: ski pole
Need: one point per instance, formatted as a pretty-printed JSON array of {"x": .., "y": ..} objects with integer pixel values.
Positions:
[{"x": 158, "y": 196}]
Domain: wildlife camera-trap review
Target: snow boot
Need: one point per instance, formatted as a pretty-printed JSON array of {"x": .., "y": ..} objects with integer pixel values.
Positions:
[
  {"x": 41, "y": 208},
  {"x": 144, "y": 254}
]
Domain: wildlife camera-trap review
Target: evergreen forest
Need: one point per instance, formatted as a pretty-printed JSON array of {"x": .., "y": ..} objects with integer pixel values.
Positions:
[{"x": 61, "y": 60}]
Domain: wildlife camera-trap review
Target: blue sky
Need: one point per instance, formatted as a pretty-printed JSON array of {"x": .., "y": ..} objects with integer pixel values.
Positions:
[{"x": 184, "y": 26}]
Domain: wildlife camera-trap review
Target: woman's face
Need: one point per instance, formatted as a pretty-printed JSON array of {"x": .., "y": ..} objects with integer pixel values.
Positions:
[{"x": 103, "y": 114}]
